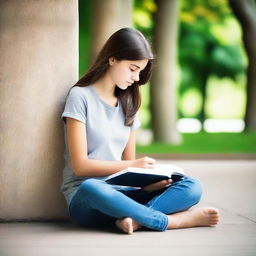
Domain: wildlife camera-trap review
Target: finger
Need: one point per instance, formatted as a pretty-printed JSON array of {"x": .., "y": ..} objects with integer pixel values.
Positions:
[
  {"x": 148, "y": 188},
  {"x": 168, "y": 182},
  {"x": 163, "y": 183},
  {"x": 154, "y": 186},
  {"x": 150, "y": 160},
  {"x": 149, "y": 165},
  {"x": 160, "y": 184}
]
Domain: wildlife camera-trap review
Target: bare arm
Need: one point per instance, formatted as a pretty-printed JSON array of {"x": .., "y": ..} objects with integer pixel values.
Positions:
[
  {"x": 83, "y": 166},
  {"x": 129, "y": 152}
]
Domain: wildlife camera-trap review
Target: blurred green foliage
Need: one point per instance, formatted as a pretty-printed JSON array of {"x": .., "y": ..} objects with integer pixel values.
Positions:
[
  {"x": 210, "y": 57},
  {"x": 85, "y": 32},
  {"x": 203, "y": 53},
  {"x": 210, "y": 71},
  {"x": 143, "y": 17}
]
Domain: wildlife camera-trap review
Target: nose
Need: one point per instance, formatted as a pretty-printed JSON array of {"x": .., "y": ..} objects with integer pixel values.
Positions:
[{"x": 136, "y": 77}]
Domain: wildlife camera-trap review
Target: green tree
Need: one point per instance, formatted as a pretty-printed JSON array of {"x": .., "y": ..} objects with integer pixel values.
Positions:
[{"x": 201, "y": 54}]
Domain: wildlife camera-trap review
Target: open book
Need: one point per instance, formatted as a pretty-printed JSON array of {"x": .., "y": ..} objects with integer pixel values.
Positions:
[{"x": 140, "y": 177}]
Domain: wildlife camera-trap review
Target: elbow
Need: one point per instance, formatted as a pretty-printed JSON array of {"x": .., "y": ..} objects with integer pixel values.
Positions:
[{"x": 79, "y": 169}]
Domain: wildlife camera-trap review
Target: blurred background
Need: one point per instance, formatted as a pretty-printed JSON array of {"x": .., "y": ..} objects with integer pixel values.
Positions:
[{"x": 202, "y": 96}]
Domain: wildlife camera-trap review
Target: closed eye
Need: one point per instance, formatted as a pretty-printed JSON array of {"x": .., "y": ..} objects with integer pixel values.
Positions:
[{"x": 134, "y": 70}]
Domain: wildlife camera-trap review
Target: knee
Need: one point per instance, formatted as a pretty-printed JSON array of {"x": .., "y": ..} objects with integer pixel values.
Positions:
[
  {"x": 95, "y": 187},
  {"x": 194, "y": 189},
  {"x": 90, "y": 185}
]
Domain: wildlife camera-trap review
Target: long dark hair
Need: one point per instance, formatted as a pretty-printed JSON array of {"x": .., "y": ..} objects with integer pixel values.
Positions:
[{"x": 124, "y": 44}]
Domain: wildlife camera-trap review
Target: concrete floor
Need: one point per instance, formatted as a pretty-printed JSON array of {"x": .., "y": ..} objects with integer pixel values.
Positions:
[{"x": 228, "y": 185}]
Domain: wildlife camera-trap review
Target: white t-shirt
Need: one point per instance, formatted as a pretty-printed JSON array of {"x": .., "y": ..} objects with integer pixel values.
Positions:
[{"x": 106, "y": 133}]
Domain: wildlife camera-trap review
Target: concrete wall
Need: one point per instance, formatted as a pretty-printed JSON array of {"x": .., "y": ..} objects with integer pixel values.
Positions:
[{"x": 39, "y": 63}]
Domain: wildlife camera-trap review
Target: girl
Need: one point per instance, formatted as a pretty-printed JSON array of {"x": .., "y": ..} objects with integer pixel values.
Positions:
[{"x": 100, "y": 130}]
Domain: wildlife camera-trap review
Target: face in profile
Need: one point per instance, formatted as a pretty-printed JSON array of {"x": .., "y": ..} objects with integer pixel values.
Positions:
[{"x": 125, "y": 72}]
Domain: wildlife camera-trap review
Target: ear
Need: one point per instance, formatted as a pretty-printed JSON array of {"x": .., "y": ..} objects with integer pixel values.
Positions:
[{"x": 111, "y": 61}]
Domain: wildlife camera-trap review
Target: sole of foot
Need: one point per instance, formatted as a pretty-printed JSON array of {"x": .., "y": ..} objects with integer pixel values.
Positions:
[
  {"x": 197, "y": 217},
  {"x": 127, "y": 225}
]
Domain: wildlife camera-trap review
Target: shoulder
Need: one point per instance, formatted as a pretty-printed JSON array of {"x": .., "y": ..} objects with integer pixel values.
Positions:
[
  {"x": 76, "y": 104},
  {"x": 80, "y": 93}
]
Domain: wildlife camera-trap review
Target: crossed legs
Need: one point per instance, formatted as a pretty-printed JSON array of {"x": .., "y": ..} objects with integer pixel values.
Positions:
[{"x": 96, "y": 203}]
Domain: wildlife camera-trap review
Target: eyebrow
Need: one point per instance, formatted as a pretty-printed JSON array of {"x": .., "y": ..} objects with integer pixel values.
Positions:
[{"x": 136, "y": 66}]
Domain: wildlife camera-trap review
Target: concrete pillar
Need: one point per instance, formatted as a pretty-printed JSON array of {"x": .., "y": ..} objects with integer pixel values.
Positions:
[
  {"x": 108, "y": 17},
  {"x": 163, "y": 85},
  {"x": 39, "y": 63}
]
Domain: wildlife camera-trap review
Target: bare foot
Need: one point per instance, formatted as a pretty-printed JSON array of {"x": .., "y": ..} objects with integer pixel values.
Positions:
[
  {"x": 127, "y": 225},
  {"x": 197, "y": 217}
]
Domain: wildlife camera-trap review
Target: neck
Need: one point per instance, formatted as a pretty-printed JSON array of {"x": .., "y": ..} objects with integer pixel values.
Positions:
[{"x": 105, "y": 86}]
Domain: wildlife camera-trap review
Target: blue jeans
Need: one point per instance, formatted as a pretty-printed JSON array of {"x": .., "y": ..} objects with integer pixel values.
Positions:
[{"x": 98, "y": 203}]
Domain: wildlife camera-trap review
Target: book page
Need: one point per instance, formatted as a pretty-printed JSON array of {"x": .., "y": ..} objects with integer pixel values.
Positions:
[{"x": 163, "y": 169}]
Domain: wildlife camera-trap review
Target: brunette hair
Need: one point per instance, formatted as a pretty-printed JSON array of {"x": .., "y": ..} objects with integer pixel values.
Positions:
[{"x": 124, "y": 44}]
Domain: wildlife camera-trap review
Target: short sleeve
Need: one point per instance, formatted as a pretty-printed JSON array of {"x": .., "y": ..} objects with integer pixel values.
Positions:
[
  {"x": 76, "y": 106},
  {"x": 136, "y": 122}
]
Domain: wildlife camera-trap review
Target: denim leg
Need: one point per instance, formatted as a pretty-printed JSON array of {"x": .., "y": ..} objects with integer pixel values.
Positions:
[
  {"x": 178, "y": 197},
  {"x": 95, "y": 199}
]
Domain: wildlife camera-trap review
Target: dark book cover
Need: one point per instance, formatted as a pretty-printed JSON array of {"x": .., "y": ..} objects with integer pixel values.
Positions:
[{"x": 135, "y": 179}]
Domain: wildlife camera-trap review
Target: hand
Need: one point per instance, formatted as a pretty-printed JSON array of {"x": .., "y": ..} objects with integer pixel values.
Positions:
[
  {"x": 144, "y": 162},
  {"x": 158, "y": 185}
]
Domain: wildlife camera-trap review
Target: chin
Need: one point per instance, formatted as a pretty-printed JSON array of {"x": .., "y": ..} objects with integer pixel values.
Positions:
[{"x": 123, "y": 87}]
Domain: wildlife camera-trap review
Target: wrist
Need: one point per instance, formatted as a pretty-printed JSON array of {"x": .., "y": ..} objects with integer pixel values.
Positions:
[{"x": 129, "y": 163}]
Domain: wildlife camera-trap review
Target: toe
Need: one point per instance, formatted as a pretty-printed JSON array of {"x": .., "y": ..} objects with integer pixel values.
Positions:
[{"x": 213, "y": 211}]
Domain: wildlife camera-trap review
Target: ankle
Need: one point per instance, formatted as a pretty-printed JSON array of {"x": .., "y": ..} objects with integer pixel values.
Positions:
[{"x": 173, "y": 222}]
